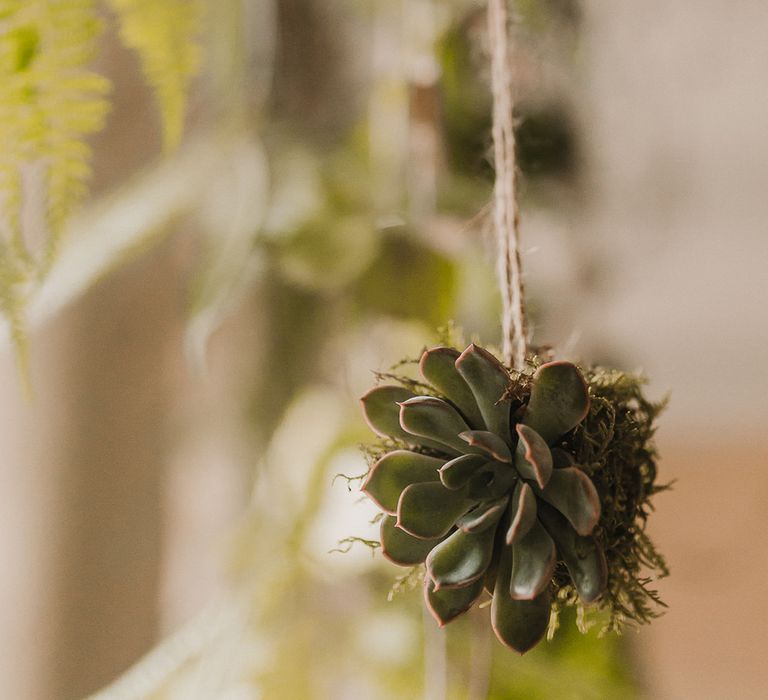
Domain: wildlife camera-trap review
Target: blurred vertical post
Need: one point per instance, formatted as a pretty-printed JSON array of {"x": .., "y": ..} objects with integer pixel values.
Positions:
[
  {"x": 110, "y": 522},
  {"x": 420, "y": 25}
]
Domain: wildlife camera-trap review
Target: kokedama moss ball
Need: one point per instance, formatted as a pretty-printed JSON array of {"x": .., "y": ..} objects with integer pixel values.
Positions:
[{"x": 533, "y": 487}]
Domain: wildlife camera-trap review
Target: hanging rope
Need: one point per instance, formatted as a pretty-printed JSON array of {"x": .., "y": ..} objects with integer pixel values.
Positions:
[{"x": 506, "y": 214}]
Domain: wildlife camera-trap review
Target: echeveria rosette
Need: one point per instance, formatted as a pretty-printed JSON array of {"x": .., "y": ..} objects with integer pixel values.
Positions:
[{"x": 482, "y": 491}]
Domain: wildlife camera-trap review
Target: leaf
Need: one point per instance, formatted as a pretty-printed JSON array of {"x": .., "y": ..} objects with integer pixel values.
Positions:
[
  {"x": 438, "y": 367},
  {"x": 460, "y": 559},
  {"x": 393, "y": 472},
  {"x": 430, "y": 510},
  {"x": 533, "y": 563},
  {"x": 572, "y": 492},
  {"x": 230, "y": 208},
  {"x": 559, "y": 400},
  {"x": 400, "y": 547},
  {"x": 457, "y": 473},
  {"x": 488, "y": 381},
  {"x": 522, "y": 511},
  {"x": 381, "y": 411},
  {"x": 448, "y": 603},
  {"x": 408, "y": 279},
  {"x": 583, "y": 556},
  {"x": 52, "y": 101},
  {"x": 164, "y": 35},
  {"x": 494, "y": 480},
  {"x": 488, "y": 442},
  {"x": 518, "y": 624},
  {"x": 483, "y": 516},
  {"x": 533, "y": 459},
  {"x": 434, "y": 419}
]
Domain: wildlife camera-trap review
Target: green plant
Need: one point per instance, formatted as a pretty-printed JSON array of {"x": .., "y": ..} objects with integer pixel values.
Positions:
[
  {"x": 484, "y": 487},
  {"x": 52, "y": 101}
]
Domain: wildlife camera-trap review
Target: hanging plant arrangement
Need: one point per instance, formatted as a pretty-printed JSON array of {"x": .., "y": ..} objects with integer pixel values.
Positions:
[
  {"x": 532, "y": 486},
  {"x": 526, "y": 481}
]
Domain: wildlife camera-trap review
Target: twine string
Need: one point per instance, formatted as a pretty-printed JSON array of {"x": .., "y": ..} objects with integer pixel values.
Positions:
[{"x": 506, "y": 213}]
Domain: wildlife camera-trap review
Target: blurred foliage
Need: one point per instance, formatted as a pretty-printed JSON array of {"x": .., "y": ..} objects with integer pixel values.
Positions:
[
  {"x": 164, "y": 33},
  {"x": 51, "y": 100},
  {"x": 408, "y": 280},
  {"x": 341, "y": 278},
  {"x": 545, "y": 130},
  {"x": 546, "y": 142}
]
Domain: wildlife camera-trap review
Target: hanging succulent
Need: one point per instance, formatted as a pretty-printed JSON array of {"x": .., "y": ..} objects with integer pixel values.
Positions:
[{"x": 514, "y": 484}]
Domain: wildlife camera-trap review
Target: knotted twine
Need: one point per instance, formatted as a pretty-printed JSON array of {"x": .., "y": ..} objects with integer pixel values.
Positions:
[{"x": 506, "y": 213}]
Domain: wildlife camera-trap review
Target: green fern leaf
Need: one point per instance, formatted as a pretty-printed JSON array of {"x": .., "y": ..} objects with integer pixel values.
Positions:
[
  {"x": 49, "y": 102},
  {"x": 164, "y": 33}
]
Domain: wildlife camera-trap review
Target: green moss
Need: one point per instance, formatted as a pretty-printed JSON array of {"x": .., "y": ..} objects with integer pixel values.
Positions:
[{"x": 614, "y": 445}]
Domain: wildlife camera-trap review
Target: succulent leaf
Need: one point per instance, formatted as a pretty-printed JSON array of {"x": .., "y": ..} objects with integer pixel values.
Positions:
[
  {"x": 488, "y": 442},
  {"x": 492, "y": 481},
  {"x": 533, "y": 459},
  {"x": 559, "y": 400},
  {"x": 460, "y": 559},
  {"x": 382, "y": 413},
  {"x": 522, "y": 512},
  {"x": 583, "y": 556},
  {"x": 396, "y": 470},
  {"x": 438, "y": 367},
  {"x": 429, "y": 510},
  {"x": 572, "y": 492},
  {"x": 434, "y": 419},
  {"x": 457, "y": 473},
  {"x": 488, "y": 380},
  {"x": 400, "y": 547},
  {"x": 533, "y": 563},
  {"x": 483, "y": 516},
  {"x": 448, "y": 603},
  {"x": 519, "y": 624}
]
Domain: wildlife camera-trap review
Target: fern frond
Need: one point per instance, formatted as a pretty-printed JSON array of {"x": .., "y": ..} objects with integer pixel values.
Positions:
[
  {"x": 12, "y": 302},
  {"x": 164, "y": 34},
  {"x": 49, "y": 103}
]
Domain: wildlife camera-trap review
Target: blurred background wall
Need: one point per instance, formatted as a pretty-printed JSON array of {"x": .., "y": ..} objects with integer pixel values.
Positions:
[{"x": 127, "y": 478}]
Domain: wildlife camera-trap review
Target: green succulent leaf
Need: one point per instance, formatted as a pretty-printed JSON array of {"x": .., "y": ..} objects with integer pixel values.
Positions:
[
  {"x": 488, "y": 381},
  {"x": 396, "y": 470},
  {"x": 429, "y": 510},
  {"x": 533, "y": 459},
  {"x": 482, "y": 517},
  {"x": 583, "y": 556},
  {"x": 438, "y": 367},
  {"x": 519, "y": 624},
  {"x": 559, "y": 400},
  {"x": 492, "y": 481},
  {"x": 400, "y": 547},
  {"x": 522, "y": 512},
  {"x": 448, "y": 603},
  {"x": 488, "y": 442},
  {"x": 572, "y": 492},
  {"x": 434, "y": 419},
  {"x": 457, "y": 473},
  {"x": 382, "y": 413},
  {"x": 533, "y": 563},
  {"x": 460, "y": 559}
]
